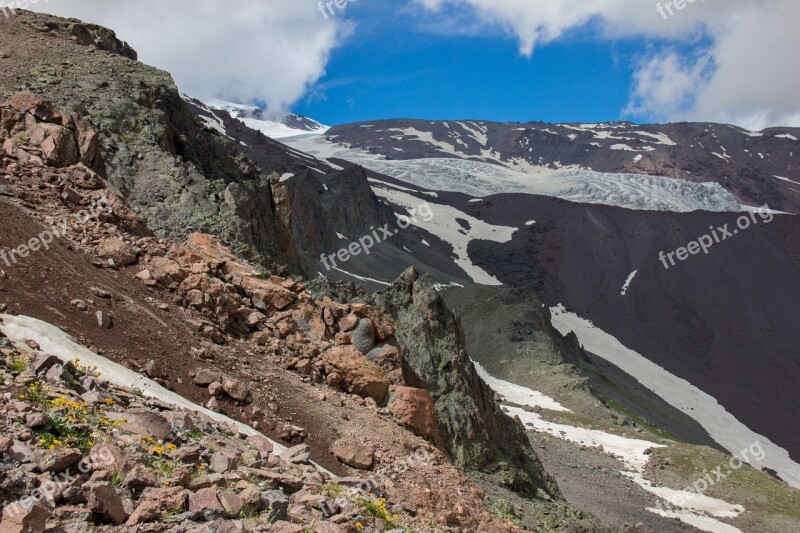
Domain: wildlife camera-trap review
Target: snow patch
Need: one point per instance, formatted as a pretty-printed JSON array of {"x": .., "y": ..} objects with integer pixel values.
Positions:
[
  {"x": 721, "y": 425},
  {"x": 628, "y": 282}
]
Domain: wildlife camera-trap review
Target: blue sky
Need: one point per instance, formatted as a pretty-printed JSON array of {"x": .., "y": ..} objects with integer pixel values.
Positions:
[{"x": 391, "y": 69}]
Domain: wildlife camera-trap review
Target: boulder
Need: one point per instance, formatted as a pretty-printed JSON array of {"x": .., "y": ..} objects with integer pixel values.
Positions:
[
  {"x": 236, "y": 389},
  {"x": 414, "y": 409},
  {"x": 103, "y": 500},
  {"x": 363, "y": 337},
  {"x": 359, "y": 375},
  {"x": 166, "y": 271},
  {"x": 354, "y": 455},
  {"x": 205, "y": 377},
  {"x": 117, "y": 250},
  {"x": 297, "y": 454},
  {"x": 25, "y": 516}
]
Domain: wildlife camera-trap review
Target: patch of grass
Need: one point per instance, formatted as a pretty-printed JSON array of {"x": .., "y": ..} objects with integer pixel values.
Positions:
[
  {"x": 333, "y": 490},
  {"x": 18, "y": 364},
  {"x": 506, "y": 511}
]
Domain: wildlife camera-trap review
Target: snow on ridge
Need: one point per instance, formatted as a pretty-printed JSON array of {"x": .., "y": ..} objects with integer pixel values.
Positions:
[
  {"x": 694, "y": 508},
  {"x": 517, "y": 394},
  {"x": 721, "y": 425},
  {"x": 444, "y": 226}
]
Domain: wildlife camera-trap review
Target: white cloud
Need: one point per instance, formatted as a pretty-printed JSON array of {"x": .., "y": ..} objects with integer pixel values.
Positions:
[
  {"x": 244, "y": 50},
  {"x": 746, "y": 70}
]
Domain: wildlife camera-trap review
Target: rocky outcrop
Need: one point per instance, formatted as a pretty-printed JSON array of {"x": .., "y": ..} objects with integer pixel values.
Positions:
[
  {"x": 110, "y": 460},
  {"x": 476, "y": 432}
]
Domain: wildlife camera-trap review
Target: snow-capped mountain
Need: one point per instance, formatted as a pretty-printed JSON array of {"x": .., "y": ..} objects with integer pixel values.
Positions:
[
  {"x": 276, "y": 125},
  {"x": 754, "y": 167}
]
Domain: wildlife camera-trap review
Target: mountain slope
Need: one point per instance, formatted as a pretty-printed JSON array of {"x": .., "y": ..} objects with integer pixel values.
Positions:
[{"x": 755, "y": 167}]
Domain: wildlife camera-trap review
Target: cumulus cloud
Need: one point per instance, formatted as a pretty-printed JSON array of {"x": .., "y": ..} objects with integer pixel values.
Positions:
[
  {"x": 741, "y": 69},
  {"x": 245, "y": 50}
]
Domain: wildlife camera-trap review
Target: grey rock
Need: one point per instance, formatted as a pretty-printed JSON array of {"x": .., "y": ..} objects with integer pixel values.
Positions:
[{"x": 363, "y": 337}]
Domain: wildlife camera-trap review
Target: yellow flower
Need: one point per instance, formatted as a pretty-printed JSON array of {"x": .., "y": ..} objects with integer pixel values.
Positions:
[
  {"x": 201, "y": 467},
  {"x": 359, "y": 525},
  {"x": 166, "y": 483},
  {"x": 171, "y": 447}
]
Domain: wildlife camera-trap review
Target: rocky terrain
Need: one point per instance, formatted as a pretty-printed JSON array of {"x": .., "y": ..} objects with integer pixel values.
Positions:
[
  {"x": 196, "y": 318},
  {"x": 245, "y": 389}
]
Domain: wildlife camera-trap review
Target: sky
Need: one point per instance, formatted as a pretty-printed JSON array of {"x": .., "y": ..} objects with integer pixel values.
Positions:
[{"x": 731, "y": 61}]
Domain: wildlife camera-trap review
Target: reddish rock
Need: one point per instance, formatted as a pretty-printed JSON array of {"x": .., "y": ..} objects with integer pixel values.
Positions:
[
  {"x": 236, "y": 389},
  {"x": 205, "y": 499},
  {"x": 267, "y": 296},
  {"x": 155, "y": 502},
  {"x": 27, "y": 102},
  {"x": 166, "y": 271},
  {"x": 117, "y": 250},
  {"x": 60, "y": 459},
  {"x": 359, "y": 375},
  {"x": 102, "y": 499},
  {"x": 348, "y": 322},
  {"x": 141, "y": 478},
  {"x": 261, "y": 443},
  {"x": 24, "y": 516},
  {"x": 231, "y": 502},
  {"x": 413, "y": 408},
  {"x": 354, "y": 455}
]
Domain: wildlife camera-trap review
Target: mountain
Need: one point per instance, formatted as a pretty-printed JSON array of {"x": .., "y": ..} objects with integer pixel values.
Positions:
[
  {"x": 756, "y": 168},
  {"x": 378, "y": 333},
  {"x": 274, "y": 125}
]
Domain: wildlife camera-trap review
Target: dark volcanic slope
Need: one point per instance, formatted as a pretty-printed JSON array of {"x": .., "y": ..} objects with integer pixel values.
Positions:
[
  {"x": 758, "y": 168},
  {"x": 726, "y": 321}
]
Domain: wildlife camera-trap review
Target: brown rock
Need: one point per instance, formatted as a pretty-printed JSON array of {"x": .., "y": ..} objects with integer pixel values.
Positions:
[
  {"x": 268, "y": 296},
  {"x": 297, "y": 454},
  {"x": 231, "y": 502},
  {"x": 60, "y": 459},
  {"x": 103, "y": 319},
  {"x": 117, "y": 250},
  {"x": 141, "y": 478},
  {"x": 88, "y": 141},
  {"x": 102, "y": 499},
  {"x": 166, "y": 271},
  {"x": 236, "y": 389},
  {"x": 354, "y": 455},
  {"x": 206, "y": 377},
  {"x": 359, "y": 375},
  {"x": 414, "y": 409},
  {"x": 24, "y": 516},
  {"x": 27, "y": 102},
  {"x": 348, "y": 322},
  {"x": 216, "y": 389},
  {"x": 155, "y": 502},
  {"x": 261, "y": 443},
  {"x": 205, "y": 499}
]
